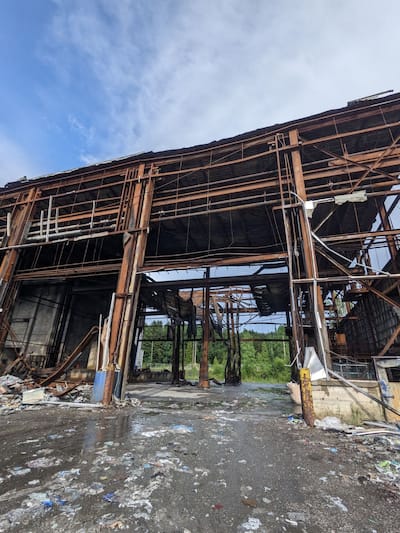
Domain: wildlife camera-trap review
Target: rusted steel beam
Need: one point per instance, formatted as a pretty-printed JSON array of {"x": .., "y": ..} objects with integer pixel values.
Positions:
[
  {"x": 350, "y": 277},
  {"x": 207, "y": 211},
  {"x": 224, "y": 281},
  {"x": 69, "y": 271},
  {"x": 385, "y": 153},
  {"x": 166, "y": 264},
  {"x": 349, "y": 237},
  {"x": 351, "y": 168},
  {"x": 220, "y": 191},
  {"x": 387, "y": 226},
  {"x": 352, "y": 133},
  {"x": 72, "y": 357},
  {"x": 362, "y": 281},
  {"x": 390, "y": 341}
]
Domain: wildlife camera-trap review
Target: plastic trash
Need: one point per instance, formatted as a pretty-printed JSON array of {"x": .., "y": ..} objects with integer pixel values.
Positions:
[
  {"x": 19, "y": 471},
  {"x": 331, "y": 423},
  {"x": 293, "y": 419},
  {"x": 60, "y": 501},
  {"x": 252, "y": 524},
  {"x": 109, "y": 497},
  {"x": 180, "y": 428},
  {"x": 217, "y": 506},
  {"x": 43, "y": 462},
  {"x": 47, "y": 504}
]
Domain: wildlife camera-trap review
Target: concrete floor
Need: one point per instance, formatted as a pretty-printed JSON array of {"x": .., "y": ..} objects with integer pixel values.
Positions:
[{"x": 185, "y": 460}]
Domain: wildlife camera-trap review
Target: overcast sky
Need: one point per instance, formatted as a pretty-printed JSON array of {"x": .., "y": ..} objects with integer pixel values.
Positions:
[{"x": 88, "y": 80}]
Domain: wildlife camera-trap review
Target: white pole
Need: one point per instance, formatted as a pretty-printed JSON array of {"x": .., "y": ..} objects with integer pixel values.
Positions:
[
  {"x": 108, "y": 332},
  {"x": 49, "y": 218},
  {"x": 99, "y": 342}
]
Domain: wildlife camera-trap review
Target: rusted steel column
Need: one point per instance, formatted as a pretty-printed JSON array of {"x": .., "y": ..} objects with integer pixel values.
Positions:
[
  {"x": 176, "y": 346},
  {"x": 203, "y": 374},
  {"x": 128, "y": 285},
  {"x": 310, "y": 263},
  {"x": 20, "y": 222},
  {"x": 306, "y": 396},
  {"x": 19, "y": 226}
]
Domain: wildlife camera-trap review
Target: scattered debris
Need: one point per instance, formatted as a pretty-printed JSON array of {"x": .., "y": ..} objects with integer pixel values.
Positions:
[
  {"x": 11, "y": 382},
  {"x": 217, "y": 506},
  {"x": 128, "y": 402},
  {"x": 295, "y": 419},
  {"x": 43, "y": 462},
  {"x": 180, "y": 428},
  {"x": 250, "y": 502},
  {"x": 297, "y": 517},
  {"x": 33, "y": 396},
  {"x": 335, "y": 500},
  {"x": 252, "y": 524},
  {"x": 331, "y": 423}
]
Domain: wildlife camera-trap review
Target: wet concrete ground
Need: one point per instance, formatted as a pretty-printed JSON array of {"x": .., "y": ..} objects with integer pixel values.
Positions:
[{"x": 188, "y": 461}]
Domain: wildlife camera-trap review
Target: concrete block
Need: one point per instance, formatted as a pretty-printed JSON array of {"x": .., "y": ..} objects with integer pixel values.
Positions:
[{"x": 352, "y": 407}]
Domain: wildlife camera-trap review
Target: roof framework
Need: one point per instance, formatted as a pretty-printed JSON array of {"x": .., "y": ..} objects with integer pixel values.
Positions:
[{"x": 309, "y": 199}]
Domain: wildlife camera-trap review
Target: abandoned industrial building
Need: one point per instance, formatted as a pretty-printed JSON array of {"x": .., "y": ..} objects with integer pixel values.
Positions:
[{"x": 311, "y": 205}]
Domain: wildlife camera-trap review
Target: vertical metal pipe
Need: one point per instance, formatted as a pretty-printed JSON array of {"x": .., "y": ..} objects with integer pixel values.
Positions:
[
  {"x": 92, "y": 216},
  {"x": 108, "y": 331},
  {"x": 99, "y": 342},
  {"x": 56, "y": 220},
  {"x": 41, "y": 223},
  {"x": 8, "y": 224},
  {"x": 49, "y": 218}
]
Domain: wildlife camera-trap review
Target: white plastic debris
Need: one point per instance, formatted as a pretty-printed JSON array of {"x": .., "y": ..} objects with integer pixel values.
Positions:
[
  {"x": 252, "y": 524},
  {"x": 331, "y": 423},
  {"x": 294, "y": 389},
  {"x": 313, "y": 363},
  {"x": 335, "y": 500},
  {"x": 33, "y": 396}
]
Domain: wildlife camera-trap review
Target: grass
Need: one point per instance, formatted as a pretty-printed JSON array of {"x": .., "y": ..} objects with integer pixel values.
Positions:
[{"x": 216, "y": 371}]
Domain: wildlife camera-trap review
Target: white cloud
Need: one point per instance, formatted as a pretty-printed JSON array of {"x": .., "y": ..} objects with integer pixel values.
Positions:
[
  {"x": 87, "y": 133},
  {"x": 14, "y": 162},
  {"x": 176, "y": 73}
]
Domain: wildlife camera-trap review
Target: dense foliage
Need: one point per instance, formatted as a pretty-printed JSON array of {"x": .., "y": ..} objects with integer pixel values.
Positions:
[{"x": 263, "y": 359}]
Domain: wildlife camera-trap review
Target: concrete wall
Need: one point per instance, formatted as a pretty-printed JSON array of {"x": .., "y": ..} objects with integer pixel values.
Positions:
[
  {"x": 33, "y": 320},
  {"x": 48, "y": 321},
  {"x": 394, "y": 387},
  {"x": 335, "y": 399}
]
